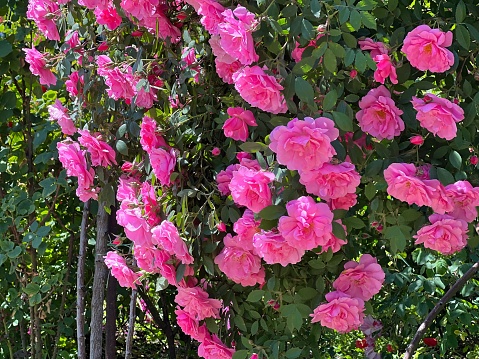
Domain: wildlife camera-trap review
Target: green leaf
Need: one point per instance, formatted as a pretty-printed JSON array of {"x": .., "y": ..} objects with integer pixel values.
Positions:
[
  {"x": 355, "y": 19},
  {"x": 253, "y": 147},
  {"x": 366, "y": 4},
  {"x": 410, "y": 215},
  {"x": 350, "y": 40},
  {"x": 329, "y": 100},
  {"x": 463, "y": 37},
  {"x": 304, "y": 66},
  {"x": 444, "y": 176},
  {"x": 392, "y": 5},
  {"x": 121, "y": 147},
  {"x": 368, "y": 20},
  {"x": 240, "y": 354},
  {"x": 353, "y": 222},
  {"x": 5, "y": 48},
  {"x": 239, "y": 321},
  {"x": 32, "y": 289},
  {"x": 460, "y": 11},
  {"x": 14, "y": 253},
  {"x": 307, "y": 293},
  {"x": 304, "y": 90},
  {"x": 315, "y": 8},
  {"x": 455, "y": 159},
  {"x": 329, "y": 60},
  {"x": 343, "y": 121},
  {"x": 293, "y": 353},
  {"x": 360, "y": 61},
  {"x": 307, "y": 30},
  {"x": 272, "y": 212},
  {"x": 344, "y": 14},
  {"x": 374, "y": 168},
  {"x": 338, "y": 230},
  {"x": 49, "y": 186},
  {"x": 370, "y": 191},
  {"x": 337, "y": 49},
  {"x": 255, "y": 296},
  {"x": 397, "y": 236}
]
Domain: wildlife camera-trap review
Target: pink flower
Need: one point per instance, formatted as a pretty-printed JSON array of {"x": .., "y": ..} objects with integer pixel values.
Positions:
[
  {"x": 166, "y": 236},
  {"x": 384, "y": 69},
  {"x": 150, "y": 137},
  {"x": 342, "y": 313},
  {"x": 38, "y": 66},
  {"x": 250, "y": 188},
  {"x": 95, "y": 4},
  {"x": 160, "y": 25},
  {"x": 331, "y": 181},
  {"x": 376, "y": 48},
  {"x": 379, "y": 115},
  {"x": 213, "y": 348},
  {"x": 236, "y": 33},
  {"x": 101, "y": 153},
  {"x": 127, "y": 189},
  {"x": 139, "y": 8},
  {"x": 226, "y": 71},
  {"x": 304, "y": 144},
  {"x": 236, "y": 127},
  {"x": 223, "y": 178},
  {"x": 334, "y": 243},
  {"x": 221, "y": 227},
  {"x": 474, "y": 160},
  {"x": 445, "y": 234},
  {"x": 108, "y": 17},
  {"x": 425, "y": 48},
  {"x": 163, "y": 164},
  {"x": 361, "y": 280},
  {"x": 59, "y": 113},
  {"x": 117, "y": 265},
  {"x": 74, "y": 161},
  {"x": 45, "y": 13},
  {"x": 215, "y": 151},
  {"x": 150, "y": 204},
  {"x": 438, "y": 115},
  {"x": 196, "y": 302},
  {"x": 150, "y": 259},
  {"x": 465, "y": 199},
  {"x": 120, "y": 84},
  {"x": 273, "y": 248},
  {"x": 417, "y": 140},
  {"x": 246, "y": 227},
  {"x": 74, "y": 84},
  {"x": 345, "y": 202},
  {"x": 260, "y": 90},
  {"x": 240, "y": 265},
  {"x": 308, "y": 224},
  {"x": 211, "y": 15},
  {"x": 135, "y": 225},
  {"x": 190, "y": 326},
  {"x": 405, "y": 186},
  {"x": 219, "y": 51}
]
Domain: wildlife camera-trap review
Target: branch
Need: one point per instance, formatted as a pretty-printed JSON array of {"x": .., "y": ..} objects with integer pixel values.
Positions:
[
  {"x": 81, "y": 283},
  {"x": 131, "y": 325},
  {"x": 438, "y": 308}
]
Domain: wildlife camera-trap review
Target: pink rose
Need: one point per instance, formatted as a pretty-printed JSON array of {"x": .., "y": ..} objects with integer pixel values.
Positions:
[
  {"x": 226, "y": 71},
  {"x": 250, "y": 188},
  {"x": 260, "y": 90},
  {"x": 465, "y": 199},
  {"x": 273, "y": 248},
  {"x": 150, "y": 137},
  {"x": 101, "y": 153},
  {"x": 127, "y": 189},
  {"x": 345, "y": 202},
  {"x": 74, "y": 161},
  {"x": 304, "y": 144},
  {"x": 236, "y": 33},
  {"x": 166, "y": 236},
  {"x": 150, "y": 259},
  {"x": 239, "y": 264},
  {"x": 150, "y": 204},
  {"x": 384, "y": 69},
  {"x": 438, "y": 115},
  {"x": 108, "y": 17},
  {"x": 163, "y": 164},
  {"x": 379, "y": 115},
  {"x": 245, "y": 228},
  {"x": 38, "y": 66},
  {"x": 117, "y": 265},
  {"x": 139, "y": 8},
  {"x": 236, "y": 127},
  {"x": 94, "y": 4},
  {"x": 45, "y": 14},
  {"x": 136, "y": 227},
  {"x": 212, "y": 16},
  {"x": 213, "y": 348},
  {"x": 342, "y": 313},
  {"x": 307, "y": 225},
  {"x": 417, "y": 140},
  {"x": 361, "y": 280},
  {"x": 445, "y": 234},
  {"x": 74, "y": 84},
  {"x": 376, "y": 48},
  {"x": 223, "y": 179},
  {"x": 160, "y": 25},
  {"x": 425, "y": 49},
  {"x": 215, "y": 151},
  {"x": 334, "y": 243},
  {"x": 59, "y": 113},
  {"x": 331, "y": 181},
  {"x": 196, "y": 302},
  {"x": 190, "y": 326},
  {"x": 219, "y": 51}
]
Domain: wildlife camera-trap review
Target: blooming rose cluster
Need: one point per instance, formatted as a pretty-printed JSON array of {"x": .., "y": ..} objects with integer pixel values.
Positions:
[
  {"x": 357, "y": 283},
  {"x": 380, "y": 54},
  {"x": 59, "y": 113}
]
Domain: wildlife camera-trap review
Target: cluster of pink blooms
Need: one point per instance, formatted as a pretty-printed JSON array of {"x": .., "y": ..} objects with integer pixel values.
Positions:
[
  {"x": 454, "y": 205},
  {"x": 357, "y": 283},
  {"x": 380, "y": 54},
  {"x": 234, "y": 48},
  {"x": 236, "y": 126},
  {"x": 74, "y": 160}
]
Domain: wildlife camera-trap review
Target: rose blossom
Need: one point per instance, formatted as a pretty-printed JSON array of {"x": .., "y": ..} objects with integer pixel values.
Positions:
[
  {"x": 215, "y": 151},
  {"x": 212, "y": 15},
  {"x": 245, "y": 228},
  {"x": 342, "y": 313},
  {"x": 445, "y": 234},
  {"x": 307, "y": 225},
  {"x": 108, "y": 17},
  {"x": 376, "y": 48},
  {"x": 190, "y": 326},
  {"x": 226, "y": 70},
  {"x": 304, "y": 144},
  {"x": 438, "y": 115},
  {"x": 331, "y": 181},
  {"x": 425, "y": 49},
  {"x": 260, "y": 90},
  {"x": 166, "y": 236},
  {"x": 213, "y": 348},
  {"x": 384, "y": 69},
  {"x": 74, "y": 161},
  {"x": 59, "y": 113},
  {"x": 223, "y": 179},
  {"x": 273, "y": 248},
  {"x": 417, "y": 140},
  {"x": 136, "y": 227},
  {"x": 379, "y": 115},
  {"x": 74, "y": 84},
  {"x": 38, "y": 66},
  {"x": 117, "y": 265},
  {"x": 163, "y": 164},
  {"x": 250, "y": 188},
  {"x": 334, "y": 243},
  {"x": 196, "y": 302},
  {"x": 139, "y": 8},
  {"x": 346, "y": 202},
  {"x": 101, "y": 153},
  {"x": 361, "y": 280},
  {"x": 45, "y": 14},
  {"x": 465, "y": 199},
  {"x": 239, "y": 264},
  {"x": 150, "y": 137},
  {"x": 236, "y": 126}
]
